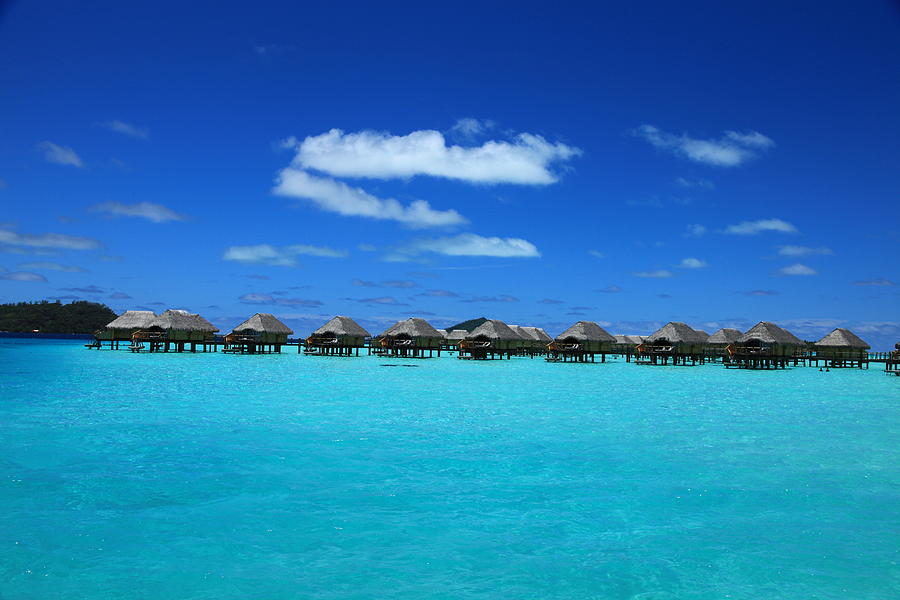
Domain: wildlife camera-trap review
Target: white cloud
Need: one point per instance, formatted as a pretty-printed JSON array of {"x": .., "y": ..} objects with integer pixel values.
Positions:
[
  {"x": 797, "y": 269},
  {"x": 657, "y": 274},
  {"x": 52, "y": 266},
  {"x": 731, "y": 150},
  {"x": 755, "y": 227},
  {"x": 470, "y": 244},
  {"x": 878, "y": 282},
  {"x": 22, "y": 276},
  {"x": 265, "y": 254},
  {"x": 60, "y": 155},
  {"x": 143, "y": 210},
  {"x": 127, "y": 129},
  {"x": 47, "y": 240},
  {"x": 524, "y": 160},
  {"x": 696, "y": 230},
  {"x": 693, "y": 263},
  {"x": 338, "y": 197},
  {"x": 596, "y": 254},
  {"x": 802, "y": 250}
]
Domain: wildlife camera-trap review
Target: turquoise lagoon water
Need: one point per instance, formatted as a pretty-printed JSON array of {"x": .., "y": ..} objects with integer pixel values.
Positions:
[{"x": 216, "y": 476}]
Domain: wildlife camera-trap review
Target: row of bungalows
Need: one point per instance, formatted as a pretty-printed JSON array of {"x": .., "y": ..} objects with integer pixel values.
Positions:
[
  {"x": 581, "y": 342},
  {"x": 534, "y": 342},
  {"x": 492, "y": 339},
  {"x": 409, "y": 338},
  {"x": 173, "y": 330}
]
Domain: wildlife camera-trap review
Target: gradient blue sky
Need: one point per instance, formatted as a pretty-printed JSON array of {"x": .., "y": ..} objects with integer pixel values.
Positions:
[{"x": 628, "y": 163}]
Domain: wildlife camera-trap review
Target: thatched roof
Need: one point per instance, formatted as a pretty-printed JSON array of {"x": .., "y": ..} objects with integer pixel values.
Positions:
[
  {"x": 412, "y": 327},
  {"x": 443, "y": 333},
  {"x": 457, "y": 334},
  {"x": 724, "y": 336},
  {"x": 770, "y": 333},
  {"x": 842, "y": 338},
  {"x": 677, "y": 333},
  {"x": 629, "y": 339},
  {"x": 586, "y": 331},
  {"x": 132, "y": 319},
  {"x": 703, "y": 334},
  {"x": 522, "y": 333},
  {"x": 182, "y": 320},
  {"x": 264, "y": 323},
  {"x": 339, "y": 326},
  {"x": 494, "y": 330},
  {"x": 538, "y": 334}
]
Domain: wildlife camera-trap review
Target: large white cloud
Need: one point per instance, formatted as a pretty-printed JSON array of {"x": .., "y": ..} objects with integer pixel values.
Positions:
[
  {"x": 731, "y": 150},
  {"x": 338, "y": 197},
  {"x": 469, "y": 244},
  {"x": 527, "y": 159}
]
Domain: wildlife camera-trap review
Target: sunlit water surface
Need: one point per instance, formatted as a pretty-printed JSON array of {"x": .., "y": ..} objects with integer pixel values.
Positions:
[{"x": 284, "y": 476}]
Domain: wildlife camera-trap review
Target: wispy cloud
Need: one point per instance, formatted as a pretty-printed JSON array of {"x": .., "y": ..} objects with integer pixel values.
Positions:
[
  {"x": 797, "y": 269},
  {"x": 156, "y": 213},
  {"x": 704, "y": 184},
  {"x": 655, "y": 274},
  {"x": 60, "y": 155},
  {"x": 338, "y": 197},
  {"x": 380, "y": 301},
  {"x": 439, "y": 294},
  {"x": 88, "y": 289},
  {"x": 759, "y": 293},
  {"x": 696, "y": 230},
  {"x": 731, "y": 150},
  {"x": 391, "y": 283},
  {"x": 127, "y": 129},
  {"x": 23, "y": 276},
  {"x": 468, "y": 128},
  {"x": 489, "y": 299},
  {"x": 610, "y": 289},
  {"x": 119, "y": 296},
  {"x": 47, "y": 240},
  {"x": 550, "y": 301},
  {"x": 266, "y": 254},
  {"x": 760, "y": 226},
  {"x": 526, "y": 159},
  {"x": 52, "y": 266},
  {"x": 802, "y": 250},
  {"x": 596, "y": 254},
  {"x": 469, "y": 244},
  {"x": 876, "y": 282},
  {"x": 693, "y": 263},
  {"x": 268, "y": 299}
]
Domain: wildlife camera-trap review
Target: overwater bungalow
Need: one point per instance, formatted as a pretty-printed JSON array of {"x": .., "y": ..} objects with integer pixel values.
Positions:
[
  {"x": 581, "y": 342},
  {"x": 718, "y": 341},
  {"x": 261, "y": 333},
  {"x": 341, "y": 336},
  {"x": 122, "y": 328},
  {"x": 765, "y": 346},
  {"x": 174, "y": 330},
  {"x": 453, "y": 338},
  {"x": 674, "y": 343},
  {"x": 410, "y": 338},
  {"x": 542, "y": 336},
  {"x": 534, "y": 340},
  {"x": 841, "y": 348},
  {"x": 491, "y": 339}
]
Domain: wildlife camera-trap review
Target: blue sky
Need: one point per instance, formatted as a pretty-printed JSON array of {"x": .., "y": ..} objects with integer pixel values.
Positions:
[{"x": 628, "y": 163}]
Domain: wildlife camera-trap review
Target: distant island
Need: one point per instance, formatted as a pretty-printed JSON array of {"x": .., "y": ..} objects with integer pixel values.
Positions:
[
  {"x": 469, "y": 325},
  {"x": 55, "y": 317}
]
